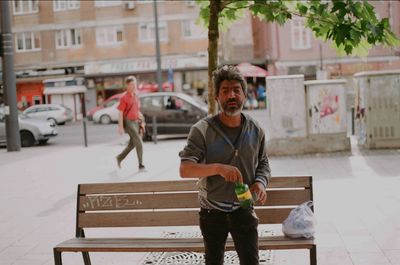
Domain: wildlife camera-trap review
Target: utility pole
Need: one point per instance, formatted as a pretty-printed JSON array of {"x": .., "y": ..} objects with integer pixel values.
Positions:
[
  {"x": 10, "y": 91},
  {"x": 158, "y": 53}
]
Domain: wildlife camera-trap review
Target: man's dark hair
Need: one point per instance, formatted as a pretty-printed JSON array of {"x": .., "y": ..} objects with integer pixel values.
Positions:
[
  {"x": 229, "y": 73},
  {"x": 129, "y": 79}
]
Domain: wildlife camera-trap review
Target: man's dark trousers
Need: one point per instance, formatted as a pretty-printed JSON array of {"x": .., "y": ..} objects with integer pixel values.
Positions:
[{"x": 242, "y": 224}]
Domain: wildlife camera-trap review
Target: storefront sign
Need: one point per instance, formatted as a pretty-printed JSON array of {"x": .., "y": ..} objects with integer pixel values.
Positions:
[{"x": 144, "y": 65}]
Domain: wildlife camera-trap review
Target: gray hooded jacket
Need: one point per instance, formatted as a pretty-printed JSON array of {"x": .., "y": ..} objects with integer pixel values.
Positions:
[{"x": 208, "y": 144}]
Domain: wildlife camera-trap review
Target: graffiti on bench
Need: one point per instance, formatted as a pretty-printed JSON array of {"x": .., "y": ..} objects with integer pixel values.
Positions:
[{"x": 110, "y": 201}]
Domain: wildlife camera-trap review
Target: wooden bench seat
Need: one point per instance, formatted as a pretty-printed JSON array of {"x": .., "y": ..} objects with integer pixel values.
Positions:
[
  {"x": 169, "y": 244},
  {"x": 171, "y": 203}
]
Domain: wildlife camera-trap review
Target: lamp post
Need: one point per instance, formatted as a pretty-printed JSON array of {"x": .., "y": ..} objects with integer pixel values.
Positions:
[
  {"x": 10, "y": 91},
  {"x": 158, "y": 53}
]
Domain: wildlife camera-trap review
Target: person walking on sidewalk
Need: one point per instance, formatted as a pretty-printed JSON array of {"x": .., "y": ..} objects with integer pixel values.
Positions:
[
  {"x": 222, "y": 150},
  {"x": 131, "y": 121}
]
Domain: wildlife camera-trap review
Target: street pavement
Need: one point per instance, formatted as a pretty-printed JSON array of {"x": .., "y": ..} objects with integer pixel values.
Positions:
[{"x": 356, "y": 198}]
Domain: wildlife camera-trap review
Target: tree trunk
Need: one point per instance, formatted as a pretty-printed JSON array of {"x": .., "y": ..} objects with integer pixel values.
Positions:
[{"x": 213, "y": 36}]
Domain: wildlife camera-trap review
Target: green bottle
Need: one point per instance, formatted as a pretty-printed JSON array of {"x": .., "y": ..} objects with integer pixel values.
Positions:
[{"x": 244, "y": 195}]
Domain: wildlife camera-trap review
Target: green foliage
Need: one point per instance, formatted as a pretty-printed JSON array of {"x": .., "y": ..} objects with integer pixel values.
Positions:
[{"x": 351, "y": 25}]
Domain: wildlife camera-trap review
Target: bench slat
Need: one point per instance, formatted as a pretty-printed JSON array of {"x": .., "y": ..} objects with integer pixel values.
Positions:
[
  {"x": 129, "y": 187},
  {"x": 290, "y": 182},
  {"x": 170, "y": 201},
  {"x": 179, "y": 185},
  {"x": 166, "y": 218},
  {"x": 170, "y": 244}
]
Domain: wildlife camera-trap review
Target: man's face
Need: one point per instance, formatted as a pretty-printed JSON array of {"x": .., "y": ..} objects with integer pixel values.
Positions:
[
  {"x": 131, "y": 86},
  {"x": 231, "y": 97}
]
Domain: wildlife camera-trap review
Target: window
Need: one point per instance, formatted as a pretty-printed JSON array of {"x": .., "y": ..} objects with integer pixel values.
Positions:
[
  {"x": 147, "y": 31},
  {"x": 25, "y": 6},
  {"x": 109, "y": 36},
  {"x": 111, "y": 103},
  {"x": 300, "y": 36},
  {"x": 190, "y": 2},
  {"x": 68, "y": 38},
  {"x": 107, "y": 3},
  {"x": 27, "y": 41},
  {"x": 36, "y": 100},
  {"x": 60, "y": 5},
  {"x": 191, "y": 30},
  {"x": 152, "y": 103}
]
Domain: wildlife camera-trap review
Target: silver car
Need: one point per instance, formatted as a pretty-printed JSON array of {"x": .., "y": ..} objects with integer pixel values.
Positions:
[
  {"x": 31, "y": 130},
  {"x": 57, "y": 113}
]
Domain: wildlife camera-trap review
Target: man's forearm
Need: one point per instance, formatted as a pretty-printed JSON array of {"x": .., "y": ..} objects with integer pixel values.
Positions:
[{"x": 194, "y": 170}]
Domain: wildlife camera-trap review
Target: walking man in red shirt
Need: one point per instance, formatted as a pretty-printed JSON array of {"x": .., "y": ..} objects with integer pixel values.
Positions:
[{"x": 129, "y": 121}]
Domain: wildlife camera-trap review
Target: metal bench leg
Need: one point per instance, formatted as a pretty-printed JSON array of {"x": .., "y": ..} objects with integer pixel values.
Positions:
[
  {"x": 57, "y": 257},
  {"x": 86, "y": 258},
  {"x": 313, "y": 255}
]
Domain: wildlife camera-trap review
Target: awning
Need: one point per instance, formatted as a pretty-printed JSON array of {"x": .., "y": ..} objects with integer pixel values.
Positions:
[
  {"x": 64, "y": 90},
  {"x": 249, "y": 70}
]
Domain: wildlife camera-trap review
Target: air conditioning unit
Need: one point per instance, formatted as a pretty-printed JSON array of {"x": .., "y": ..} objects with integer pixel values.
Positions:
[{"x": 129, "y": 5}]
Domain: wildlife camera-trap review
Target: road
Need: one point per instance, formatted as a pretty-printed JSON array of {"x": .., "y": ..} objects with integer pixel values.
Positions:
[{"x": 73, "y": 134}]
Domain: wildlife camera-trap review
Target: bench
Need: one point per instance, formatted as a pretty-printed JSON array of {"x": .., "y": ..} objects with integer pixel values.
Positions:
[{"x": 172, "y": 203}]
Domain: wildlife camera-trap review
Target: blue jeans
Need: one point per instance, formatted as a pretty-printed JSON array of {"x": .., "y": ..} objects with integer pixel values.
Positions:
[{"x": 242, "y": 224}]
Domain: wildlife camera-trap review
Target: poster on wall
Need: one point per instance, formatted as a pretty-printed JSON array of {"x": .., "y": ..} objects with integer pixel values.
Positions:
[{"x": 326, "y": 107}]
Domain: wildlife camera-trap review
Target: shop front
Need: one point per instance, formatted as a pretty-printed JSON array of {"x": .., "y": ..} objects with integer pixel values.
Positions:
[
  {"x": 67, "y": 91},
  {"x": 179, "y": 73},
  {"x": 29, "y": 92}
]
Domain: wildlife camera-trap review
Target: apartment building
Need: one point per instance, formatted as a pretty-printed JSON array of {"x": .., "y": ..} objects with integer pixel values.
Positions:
[
  {"x": 104, "y": 41},
  {"x": 293, "y": 49}
]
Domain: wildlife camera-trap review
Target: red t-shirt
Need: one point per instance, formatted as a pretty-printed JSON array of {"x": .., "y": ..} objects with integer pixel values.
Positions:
[{"x": 129, "y": 104}]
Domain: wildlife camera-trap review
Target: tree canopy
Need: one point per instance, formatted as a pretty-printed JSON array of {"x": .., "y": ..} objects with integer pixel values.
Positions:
[{"x": 352, "y": 26}]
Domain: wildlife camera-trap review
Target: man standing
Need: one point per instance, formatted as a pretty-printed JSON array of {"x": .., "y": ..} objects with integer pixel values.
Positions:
[
  {"x": 222, "y": 150},
  {"x": 130, "y": 121}
]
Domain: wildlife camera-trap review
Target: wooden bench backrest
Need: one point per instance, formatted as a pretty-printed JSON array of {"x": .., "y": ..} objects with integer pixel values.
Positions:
[{"x": 174, "y": 203}]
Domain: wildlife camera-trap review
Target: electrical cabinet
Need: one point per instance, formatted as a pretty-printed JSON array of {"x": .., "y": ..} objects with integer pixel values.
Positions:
[{"x": 377, "y": 109}]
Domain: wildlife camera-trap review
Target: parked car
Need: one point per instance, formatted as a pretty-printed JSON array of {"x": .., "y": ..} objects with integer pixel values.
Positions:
[
  {"x": 31, "y": 130},
  {"x": 175, "y": 112},
  {"x": 57, "y": 113},
  {"x": 107, "y": 103}
]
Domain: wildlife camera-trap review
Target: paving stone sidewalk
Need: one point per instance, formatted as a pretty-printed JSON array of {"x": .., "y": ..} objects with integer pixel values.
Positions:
[{"x": 356, "y": 200}]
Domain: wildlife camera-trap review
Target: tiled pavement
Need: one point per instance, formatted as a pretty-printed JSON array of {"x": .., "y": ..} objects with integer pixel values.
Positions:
[{"x": 357, "y": 200}]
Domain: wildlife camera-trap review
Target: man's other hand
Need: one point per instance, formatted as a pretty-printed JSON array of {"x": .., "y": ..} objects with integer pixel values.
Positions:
[{"x": 258, "y": 189}]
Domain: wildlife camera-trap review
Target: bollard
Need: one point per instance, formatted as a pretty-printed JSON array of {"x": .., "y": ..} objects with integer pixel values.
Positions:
[
  {"x": 154, "y": 134},
  {"x": 352, "y": 120}
]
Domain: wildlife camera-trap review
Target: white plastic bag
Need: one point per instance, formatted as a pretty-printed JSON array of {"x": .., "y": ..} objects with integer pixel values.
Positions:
[{"x": 300, "y": 222}]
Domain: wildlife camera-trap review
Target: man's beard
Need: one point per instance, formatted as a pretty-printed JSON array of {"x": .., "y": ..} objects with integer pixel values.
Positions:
[{"x": 231, "y": 110}]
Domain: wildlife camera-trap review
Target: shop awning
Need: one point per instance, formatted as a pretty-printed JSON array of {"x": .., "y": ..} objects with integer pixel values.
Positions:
[
  {"x": 249, "y": 70},
  {"x": 64, "y": 90}
]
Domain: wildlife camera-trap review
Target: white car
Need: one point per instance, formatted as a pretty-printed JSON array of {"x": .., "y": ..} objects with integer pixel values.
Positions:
[
  {"x": 57, "y": 113},
  {"x": 31, "y": 130},
  {"x": 107, "y": 115}
]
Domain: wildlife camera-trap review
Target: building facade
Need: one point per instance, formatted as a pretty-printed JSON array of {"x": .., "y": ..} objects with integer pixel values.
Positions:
[
  {"x": 293, "y": 49},
  {"x": 104, "y": 41}
]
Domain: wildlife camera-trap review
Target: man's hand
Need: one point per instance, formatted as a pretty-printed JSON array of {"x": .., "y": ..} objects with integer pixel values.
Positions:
[
  {"x": 259, "y": 190},
  {"x": 230, "y": 173},
  {"x": 142, "y": 127},
  {"x": 121, "y": 130}
]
